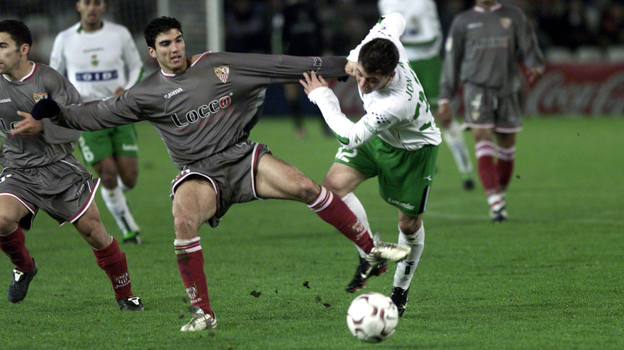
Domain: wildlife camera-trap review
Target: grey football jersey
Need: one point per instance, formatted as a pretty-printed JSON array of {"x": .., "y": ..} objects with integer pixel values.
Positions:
[
  {"x": 207, "y": 108},
  {"x": 484, "y": 47},
  {"x": 55, "y": 142}
]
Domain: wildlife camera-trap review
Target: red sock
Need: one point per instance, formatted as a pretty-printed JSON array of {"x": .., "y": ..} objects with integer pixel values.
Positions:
[
  {"x": 113, "y": 261},
  {"x": 14, "y": 246},
  {"x": 191, "y": 266},
  {"x": 335, "y": 212},
  {"x": 505, "y": 164},
  {"x": 488, "y": 172}
]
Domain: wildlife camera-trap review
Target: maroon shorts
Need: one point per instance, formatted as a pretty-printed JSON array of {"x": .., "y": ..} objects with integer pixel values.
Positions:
[
  {"x": 232, "y": 175},
  {"x": 64, "y": 190}
]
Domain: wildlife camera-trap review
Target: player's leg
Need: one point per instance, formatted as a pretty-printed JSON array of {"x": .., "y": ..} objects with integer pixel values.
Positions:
[
  {"x": 109, "y": 257},
  {"x": 342, "y": 180},
  {"x": 455, "y": 141},
  {"x": 412, "y": 234},
  {"x": 505, "y": 158},
  {"x": 278, "y": 179},
  {"x": 195, "y": 202},
  {"x": 12, "y": 243},
  {"x": 488, "y": 171},
  {"x": 481, "y": 106},
  {"x": 119, "y": 173}
]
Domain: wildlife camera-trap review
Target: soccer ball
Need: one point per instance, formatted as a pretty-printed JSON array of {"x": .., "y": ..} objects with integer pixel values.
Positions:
[{"x": 372, "y": 317}]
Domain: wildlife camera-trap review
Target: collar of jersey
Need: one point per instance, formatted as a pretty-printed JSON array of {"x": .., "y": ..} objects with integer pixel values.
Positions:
[{"x": 26, "y": 77}]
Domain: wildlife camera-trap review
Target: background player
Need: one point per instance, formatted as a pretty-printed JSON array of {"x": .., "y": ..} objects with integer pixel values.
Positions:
[
  {"x": 482, "y": 53},
  {"x": 422, "y": 40},
  {"x": 40, "y": 171},
  {"x": 396, "y": 140},
  {"x": 94, "y": 54},
  {"x": 203, "y": 108}
]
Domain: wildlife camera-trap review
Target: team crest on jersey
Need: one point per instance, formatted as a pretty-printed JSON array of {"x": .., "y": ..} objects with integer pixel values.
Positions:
[
  {"x": 223, "y": 73},
  {"x": 40, "y": 96},
  {"x": 94, "y": 60},
  {"x": 505, "y": 22}
]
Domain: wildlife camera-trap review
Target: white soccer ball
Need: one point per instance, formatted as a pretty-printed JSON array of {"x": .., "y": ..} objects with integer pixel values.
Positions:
[{"x": 372, "y": 317}]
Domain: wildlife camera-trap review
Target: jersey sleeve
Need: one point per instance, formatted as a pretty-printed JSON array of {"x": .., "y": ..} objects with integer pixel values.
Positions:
[
  {"x": 454, "y": 53},
  {"x": 57, "y": 59},
  {"x": 389, "y": 27},
  {"x": 280, "y": 69},
  {"x": 528, "y": 46},
  {"x": 100, "y": 114},
  {"x": 349, "y": 134},
  {"x": 132, "y": 59}
]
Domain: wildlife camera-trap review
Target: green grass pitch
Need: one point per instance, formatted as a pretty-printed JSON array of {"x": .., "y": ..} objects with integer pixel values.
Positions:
[{"x": 549, "y": 278}]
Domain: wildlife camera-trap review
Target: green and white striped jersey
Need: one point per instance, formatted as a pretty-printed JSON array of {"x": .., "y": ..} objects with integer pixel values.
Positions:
[{"x": 398, "y": 113}]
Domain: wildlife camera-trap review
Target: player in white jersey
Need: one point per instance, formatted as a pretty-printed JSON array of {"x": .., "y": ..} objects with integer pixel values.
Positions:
[
  {"x": 94, "y": 54},
  {"x": 422, "y": 40},
  {"x": 397, "y": 140}
]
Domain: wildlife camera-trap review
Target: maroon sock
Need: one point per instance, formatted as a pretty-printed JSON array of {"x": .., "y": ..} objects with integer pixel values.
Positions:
[
  {"x": 488, "y": 172},
  {"x": 335, "y": 212},
  {"x": 14, "y": 246},
  {"x": 505, "y": 165},
  {"x": 113, "y": 261},
  {"x": 191, "y": 266}
]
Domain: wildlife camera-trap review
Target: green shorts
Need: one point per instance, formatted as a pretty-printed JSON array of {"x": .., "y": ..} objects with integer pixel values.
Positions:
[
  {"x": 428, "y": 72},
  {"x": 97, "y": 145},
  {"x": 404, "y": 177}
]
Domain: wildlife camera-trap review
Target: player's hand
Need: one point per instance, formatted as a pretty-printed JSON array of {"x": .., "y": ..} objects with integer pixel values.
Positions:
[
  {"x": 350, "y": 68},
  {"x": 312, "y": 81},
  {"x": 27, "y": 127},
  {"x": 444, "y": 115},
  {"x": 45, "y": 108},
  {"x": 532, "y": 74},
  {"x": 118, "y": 91}
]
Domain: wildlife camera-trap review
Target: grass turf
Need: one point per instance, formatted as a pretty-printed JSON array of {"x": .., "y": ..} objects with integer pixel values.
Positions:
[{"x": 550, "y": 278}]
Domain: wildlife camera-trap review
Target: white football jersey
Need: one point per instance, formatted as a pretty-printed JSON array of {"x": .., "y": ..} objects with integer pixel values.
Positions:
[
  {"x": 96, "y": 62},
  {"x": 422, "y": 37},
  {"x": 398, "y": 113}
]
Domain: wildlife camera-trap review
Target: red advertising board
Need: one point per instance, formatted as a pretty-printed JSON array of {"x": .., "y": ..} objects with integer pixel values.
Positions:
[{"x": 578, "y": 88}]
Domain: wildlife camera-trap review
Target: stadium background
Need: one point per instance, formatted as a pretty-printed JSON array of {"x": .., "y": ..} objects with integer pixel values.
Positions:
[
  {"x": 583, "y": 41},
  {"x": 547, "y": 279}
]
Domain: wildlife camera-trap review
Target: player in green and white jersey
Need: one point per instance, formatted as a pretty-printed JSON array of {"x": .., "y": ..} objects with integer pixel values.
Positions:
[
  {"x": 397, "y": 141},
  {"x": 94, "y": 54},
  {"x": 422, "y": 40}
]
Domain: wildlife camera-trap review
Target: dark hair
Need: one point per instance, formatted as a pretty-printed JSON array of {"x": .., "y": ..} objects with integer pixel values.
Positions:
[
  {"x": 379, "y": 56},
  {"x": 158, "y": 26},
  {"x": 18, "y": 31}
]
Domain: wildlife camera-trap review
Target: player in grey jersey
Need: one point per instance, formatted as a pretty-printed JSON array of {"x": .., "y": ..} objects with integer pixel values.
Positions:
[
  {"x": 482, "y": 53},
  {"x": 204, "y": 107},
  {"x": 40, "y": 171}
]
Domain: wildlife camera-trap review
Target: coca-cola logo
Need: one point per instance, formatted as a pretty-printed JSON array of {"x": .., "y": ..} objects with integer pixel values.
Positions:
[{"x": 574, "y": 92}]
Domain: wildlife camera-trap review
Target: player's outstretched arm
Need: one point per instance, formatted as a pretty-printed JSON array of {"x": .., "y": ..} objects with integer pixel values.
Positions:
[{"x": 46, "y": 108}]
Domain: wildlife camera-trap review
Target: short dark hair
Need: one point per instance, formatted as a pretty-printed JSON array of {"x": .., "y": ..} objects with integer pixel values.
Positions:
[
  {"x": 379, "y": 56},
  {"x": 18, "y": 31},
  {"x": 158, "y": 26}
]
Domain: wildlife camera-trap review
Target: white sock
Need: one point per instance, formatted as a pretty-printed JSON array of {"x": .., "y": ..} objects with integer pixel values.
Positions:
[
  {"x": 358, "y": 209},
  {"x": 118, "y": 207},
  {"x": 405, "y": 268},
  {"x": 122, "y": 185},
  {"x": 455, "y": 141}
]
